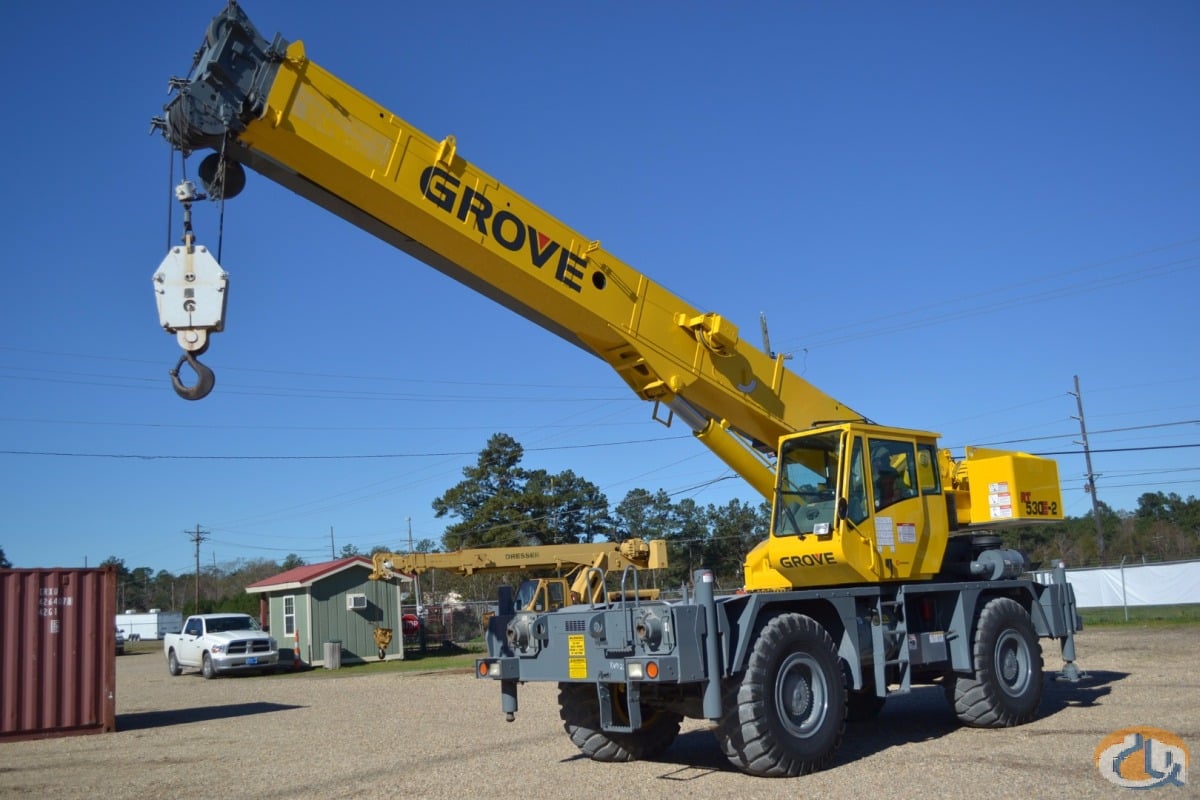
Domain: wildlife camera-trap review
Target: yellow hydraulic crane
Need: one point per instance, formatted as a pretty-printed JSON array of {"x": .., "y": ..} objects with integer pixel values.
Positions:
[
  {"x": 862, "y": 589},
  {"x": 267, "y": 106}
]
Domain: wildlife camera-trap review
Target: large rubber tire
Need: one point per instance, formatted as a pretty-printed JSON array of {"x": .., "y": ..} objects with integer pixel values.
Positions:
[
  {"x": 786, "y": 715},
  {"x": 1006, "y": 689},
  {"x": 206, "y": 667},
  {"x": 173, "y": 667},
  {"x": 579, "y": 710}
]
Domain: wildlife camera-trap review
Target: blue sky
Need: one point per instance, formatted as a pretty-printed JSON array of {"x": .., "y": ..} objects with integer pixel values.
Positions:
[{"x": 946, "y": 211}]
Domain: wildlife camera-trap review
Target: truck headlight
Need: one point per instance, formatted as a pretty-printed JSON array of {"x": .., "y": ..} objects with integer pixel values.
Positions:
[{"x": 217, "y": 648}]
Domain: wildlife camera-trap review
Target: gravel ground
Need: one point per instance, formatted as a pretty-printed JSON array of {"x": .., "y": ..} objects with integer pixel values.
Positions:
[{"x": 443, "y": 736}]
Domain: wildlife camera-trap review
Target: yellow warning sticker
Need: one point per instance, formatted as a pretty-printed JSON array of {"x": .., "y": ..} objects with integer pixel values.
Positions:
[
  {"x": 577, "y": 667},
  {"x": 575, "y": 645}
]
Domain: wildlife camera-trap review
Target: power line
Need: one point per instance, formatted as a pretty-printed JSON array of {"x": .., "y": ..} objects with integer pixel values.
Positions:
[
  {"x": 136, "y": 457},
  {"x": 1118, "y": 449},
  {"x": 312, "y": 393},
  {"x": 176, "y": 457},
  {"x": 266, "y": 371},
  {"x": 1092, "y": 283},
  {"x": 308, "y": 428},
  {"x": 1126, "y": 429}
]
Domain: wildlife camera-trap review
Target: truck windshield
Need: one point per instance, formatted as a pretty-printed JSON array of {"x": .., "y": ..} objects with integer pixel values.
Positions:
[
  {"x": 808, "y": 469},
  {"x": 218, "y": 624}
]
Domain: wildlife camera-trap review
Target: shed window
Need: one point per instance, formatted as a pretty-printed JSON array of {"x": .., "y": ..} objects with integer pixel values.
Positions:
[{"x": 289, "y": 615}]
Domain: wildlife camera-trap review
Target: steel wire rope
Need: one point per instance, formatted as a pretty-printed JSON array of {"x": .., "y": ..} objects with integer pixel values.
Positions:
[
  {"x": 395, "y": 489},
  {"x": 1049, "y": 294},
  {"x": 989, "y": 308}
]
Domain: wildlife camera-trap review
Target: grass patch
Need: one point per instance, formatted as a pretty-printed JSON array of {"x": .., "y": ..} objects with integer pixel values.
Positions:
[
  {"x": 1142, "y": 615},
  {"x": 457, "y": 658}
]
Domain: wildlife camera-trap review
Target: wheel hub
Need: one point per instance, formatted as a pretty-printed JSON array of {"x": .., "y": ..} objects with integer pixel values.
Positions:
[
  {"x": 1013, "y": 663},
  {"x": 801, "y": 695}
]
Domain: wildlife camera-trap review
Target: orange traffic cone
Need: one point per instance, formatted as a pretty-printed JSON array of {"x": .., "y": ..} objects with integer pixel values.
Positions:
[{"x": 296, "y": 653}]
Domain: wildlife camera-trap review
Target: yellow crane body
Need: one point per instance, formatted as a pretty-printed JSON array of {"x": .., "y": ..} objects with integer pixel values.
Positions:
[
  {"x": 875, "y": 576},
  {"x": 306, "y": 129}
]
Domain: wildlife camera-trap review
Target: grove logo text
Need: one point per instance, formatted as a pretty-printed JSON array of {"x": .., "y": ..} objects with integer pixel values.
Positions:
[{"x": 1143, "y": 758}]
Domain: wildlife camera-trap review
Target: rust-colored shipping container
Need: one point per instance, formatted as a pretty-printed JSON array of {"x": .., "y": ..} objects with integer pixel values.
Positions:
[{"x": 57, "y": 652}]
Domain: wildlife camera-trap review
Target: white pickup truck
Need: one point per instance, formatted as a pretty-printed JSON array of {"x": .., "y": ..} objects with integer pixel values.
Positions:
[{"x": 221, "y": 643}]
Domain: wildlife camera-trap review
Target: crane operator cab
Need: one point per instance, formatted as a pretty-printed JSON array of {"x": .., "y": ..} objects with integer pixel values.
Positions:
[
  {"x": 858, "y": 503},
  {"x": 854, "y": 503},
  {"x": 543, "y": 594}
]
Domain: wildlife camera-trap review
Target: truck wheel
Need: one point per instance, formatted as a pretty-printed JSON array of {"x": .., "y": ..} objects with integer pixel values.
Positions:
[
  {"x": 786, "y": 714},
  {"x": 579, "y": 710},
  {"x": 206, "y": 667},
  {"x": 1006, "y": 689},
  {"x": 173, "y": 664}
]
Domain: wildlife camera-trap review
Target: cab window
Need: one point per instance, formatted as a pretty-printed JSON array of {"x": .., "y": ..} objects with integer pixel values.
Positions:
[
  {"x": 857, "y": 509},
  {"x": 557, "y": 600},
  {"x": 893, "y": 471},
  {"x": 927, "y": 469},
  {"x": 808, "y": 471}
]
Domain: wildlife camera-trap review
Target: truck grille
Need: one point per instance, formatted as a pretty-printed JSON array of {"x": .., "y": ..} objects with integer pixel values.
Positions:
[{"x": 242, "y": 647}]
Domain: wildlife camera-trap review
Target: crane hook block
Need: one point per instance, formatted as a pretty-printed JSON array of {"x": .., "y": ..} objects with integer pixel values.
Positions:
[
  {"x": 190, "y": 288},
  {"x": 205, "y": 379}
]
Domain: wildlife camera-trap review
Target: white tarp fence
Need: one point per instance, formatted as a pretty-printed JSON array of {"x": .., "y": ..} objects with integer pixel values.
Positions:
[{"x": 1134, "y": 585}]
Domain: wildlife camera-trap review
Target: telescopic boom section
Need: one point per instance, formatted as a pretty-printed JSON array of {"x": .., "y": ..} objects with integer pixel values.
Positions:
[
  {"x": 269, "y": 107},
  {"x": 609, "y": 556}
]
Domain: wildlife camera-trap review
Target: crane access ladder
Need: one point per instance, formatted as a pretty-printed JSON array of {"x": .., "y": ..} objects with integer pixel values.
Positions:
[{"x": 889, "y": 630}]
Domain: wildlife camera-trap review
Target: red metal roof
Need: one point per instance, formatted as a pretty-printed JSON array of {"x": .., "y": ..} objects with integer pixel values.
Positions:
[{"x": 308, "y": 574}]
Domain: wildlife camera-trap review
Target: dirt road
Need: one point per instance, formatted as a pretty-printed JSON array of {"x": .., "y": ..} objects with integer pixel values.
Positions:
[{"x": 443, "y": 736}]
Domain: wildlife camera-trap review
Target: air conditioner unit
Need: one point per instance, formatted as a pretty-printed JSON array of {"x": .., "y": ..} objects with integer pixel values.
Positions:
[{"x": 356, "y": 602}]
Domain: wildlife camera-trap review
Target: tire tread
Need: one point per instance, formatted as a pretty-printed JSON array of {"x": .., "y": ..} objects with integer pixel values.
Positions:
[{"x": 977, "y": 701}]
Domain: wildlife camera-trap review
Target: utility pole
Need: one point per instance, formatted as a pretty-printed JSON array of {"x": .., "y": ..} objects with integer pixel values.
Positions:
[
  {"x": 197, "y": 537},
  {"x": 332, "y": 552},
  {"x": 416, "y": 575},
  {"x": 1091, "y": 476}
]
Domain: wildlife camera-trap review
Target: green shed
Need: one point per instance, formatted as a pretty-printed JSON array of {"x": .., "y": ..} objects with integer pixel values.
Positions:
[{"x": 333, "y": 602}]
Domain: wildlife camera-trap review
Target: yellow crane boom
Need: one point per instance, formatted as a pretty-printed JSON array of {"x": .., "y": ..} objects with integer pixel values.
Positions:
[
  {"x": 581, "y": 567},
  {"x": 270, "y": 107}
]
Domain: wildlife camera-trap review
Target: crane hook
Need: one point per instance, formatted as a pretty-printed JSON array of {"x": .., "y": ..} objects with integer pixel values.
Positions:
[{"x": 205, "y": 379}]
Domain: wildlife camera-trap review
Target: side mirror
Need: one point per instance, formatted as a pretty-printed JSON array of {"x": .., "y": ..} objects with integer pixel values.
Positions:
[{"x": 843, "y": 508}]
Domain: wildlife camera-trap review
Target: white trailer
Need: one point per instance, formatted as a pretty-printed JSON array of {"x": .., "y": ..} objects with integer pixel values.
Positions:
[{"x": 149, "y": 625}]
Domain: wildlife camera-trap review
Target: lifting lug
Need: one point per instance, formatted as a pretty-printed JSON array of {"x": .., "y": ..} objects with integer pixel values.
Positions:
[{"x": 205, "y": 379}]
